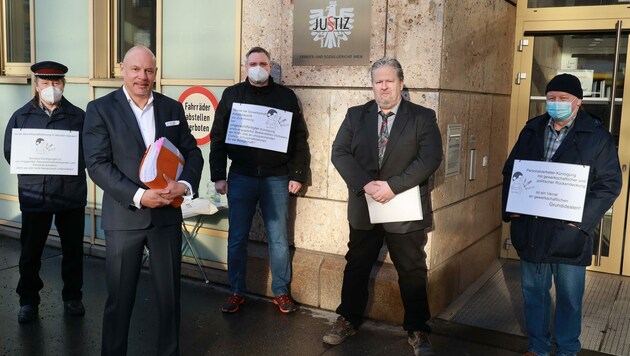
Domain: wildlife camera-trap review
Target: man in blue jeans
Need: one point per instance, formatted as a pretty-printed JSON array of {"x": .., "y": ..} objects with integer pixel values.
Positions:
[
  {"x": 556, "y": 248},
  {"x": 264, "y": 176}
]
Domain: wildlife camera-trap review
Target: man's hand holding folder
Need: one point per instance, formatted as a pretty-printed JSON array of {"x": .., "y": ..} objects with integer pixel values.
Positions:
[{"x": 160, "y": 168}]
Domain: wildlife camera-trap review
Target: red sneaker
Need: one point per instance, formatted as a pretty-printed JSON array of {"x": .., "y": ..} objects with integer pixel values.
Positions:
[
  {"x": 285, "y": 303},
  {"x": 233, "y": 303}
]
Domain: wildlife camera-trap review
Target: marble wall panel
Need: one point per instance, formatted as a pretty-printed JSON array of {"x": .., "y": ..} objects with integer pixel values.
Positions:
[
  {"x": 414, "y": 37},
  {"x": 263, "y": 24},
  {"x": 479, "y": 128},
  {"x": 499, "y": 53},
  {"x": 487, "y": 212},
  {"x": 453, "y": 109},
  {"x": 321, "y": 225},
  {"x": 430, "y": 100},
  {"x": 443, "y": 285},
  {"x": 454, "y": 231},
  {"x": 384, "y": 287},
  {"x": 498, "y": 138},
  {"x": 315, "y": 105},
  {"x": 305, "y": 282},
  {"x": 464, "y": 46},
  {"x": 330, "y": 281},
  {"x": 490, "y": 48},
  {"x": 474, "y": 261},
  {"x": 502, "y": 31}
]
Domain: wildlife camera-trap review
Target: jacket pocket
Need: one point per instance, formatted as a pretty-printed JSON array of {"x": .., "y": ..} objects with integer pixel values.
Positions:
[
  {"x": 31, "y": 190},
  {"x": 566, "y": 241},
  {"x": 519, "y": 232}
]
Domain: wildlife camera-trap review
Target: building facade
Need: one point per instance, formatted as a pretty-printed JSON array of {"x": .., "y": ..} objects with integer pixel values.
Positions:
[{"x": 459, "y": 59}]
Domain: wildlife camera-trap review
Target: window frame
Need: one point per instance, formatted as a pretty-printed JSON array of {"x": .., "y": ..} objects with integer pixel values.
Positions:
[
  {"x": 115, "y": 25},
  {"x": 16, "y": 69}
]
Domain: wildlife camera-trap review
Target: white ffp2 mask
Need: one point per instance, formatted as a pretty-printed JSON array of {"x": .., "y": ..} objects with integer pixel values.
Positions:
[
  {"x": 257, "y": 74},
  {"x": 51, "y": 95}
]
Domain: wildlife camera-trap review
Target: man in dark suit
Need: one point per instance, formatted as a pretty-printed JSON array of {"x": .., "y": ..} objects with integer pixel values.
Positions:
[
  {"x": 118, "y": 129},
  {"x": 376, "y": 163}
]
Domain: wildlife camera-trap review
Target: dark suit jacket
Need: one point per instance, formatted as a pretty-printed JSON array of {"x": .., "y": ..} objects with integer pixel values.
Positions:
[
  {"x": 413, "y": 153},
  {"x": 113, "y": 148}
]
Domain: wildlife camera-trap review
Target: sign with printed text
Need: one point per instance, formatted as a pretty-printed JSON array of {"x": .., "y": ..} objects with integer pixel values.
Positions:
[
  {"x": 199, "y": 105},
  {"x": 550, "y": 189},
  {"x": 259, "y": 126},
  {"x": 40, "y": 151},
  {"x": 331, "y": 32}
]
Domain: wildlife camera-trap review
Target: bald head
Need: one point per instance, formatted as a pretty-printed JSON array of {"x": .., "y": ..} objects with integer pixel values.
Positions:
[{"x": 138, "y": 50}]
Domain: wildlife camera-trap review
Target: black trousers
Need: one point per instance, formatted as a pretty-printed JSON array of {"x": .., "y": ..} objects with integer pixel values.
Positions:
[
  {"x": 124, "y": 253},
  {"x": 35, "y": 228},
  {"x": 407, "y": 253}
]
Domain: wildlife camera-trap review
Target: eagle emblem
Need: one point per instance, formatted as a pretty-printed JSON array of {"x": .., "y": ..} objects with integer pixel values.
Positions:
[{"x": 330, "y": 28}]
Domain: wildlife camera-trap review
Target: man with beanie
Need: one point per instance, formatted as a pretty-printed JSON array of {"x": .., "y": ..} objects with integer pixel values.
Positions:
[{"x": 551, "y": 248}]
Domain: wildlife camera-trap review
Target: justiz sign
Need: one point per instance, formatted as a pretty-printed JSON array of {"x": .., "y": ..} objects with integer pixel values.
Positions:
[{"x": 331, "y": 23}]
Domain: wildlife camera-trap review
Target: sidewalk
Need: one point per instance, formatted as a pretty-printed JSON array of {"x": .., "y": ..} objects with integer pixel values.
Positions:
[{"x": 257, "y": 329}]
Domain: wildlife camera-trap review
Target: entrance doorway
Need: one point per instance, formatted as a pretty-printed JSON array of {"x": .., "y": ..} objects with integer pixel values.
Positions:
[{"x": 595, "y": 50}]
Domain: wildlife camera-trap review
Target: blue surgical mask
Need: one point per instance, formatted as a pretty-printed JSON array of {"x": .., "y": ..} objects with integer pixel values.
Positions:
[{"x": 559, "y": 110}]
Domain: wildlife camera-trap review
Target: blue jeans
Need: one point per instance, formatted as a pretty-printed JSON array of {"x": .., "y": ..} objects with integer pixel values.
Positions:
[
  {"x": 569, "y": 281},
  {"x": 272, "y": 193}
]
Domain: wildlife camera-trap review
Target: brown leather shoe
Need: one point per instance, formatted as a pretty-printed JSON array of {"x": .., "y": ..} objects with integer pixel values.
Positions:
[{"x": 340, "y": 331}]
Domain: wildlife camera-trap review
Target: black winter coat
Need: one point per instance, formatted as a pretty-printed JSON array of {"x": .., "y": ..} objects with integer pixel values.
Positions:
[
  {"x": 539, "y": 239},
  {"x": 49, "y": 193},
  {"x": 253, "y": 161}
]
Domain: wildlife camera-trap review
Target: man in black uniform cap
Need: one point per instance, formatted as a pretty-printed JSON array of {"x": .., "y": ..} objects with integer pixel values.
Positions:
[{"x": 43, "y": 195}]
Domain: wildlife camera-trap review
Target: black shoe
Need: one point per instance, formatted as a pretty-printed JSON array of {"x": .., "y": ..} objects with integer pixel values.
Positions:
[
  {"x": 340, "y": 331},
  {"x": 74, "y": 307},
  {"x": 421, "y": 344},
  {"x": 27, "y": 313}
]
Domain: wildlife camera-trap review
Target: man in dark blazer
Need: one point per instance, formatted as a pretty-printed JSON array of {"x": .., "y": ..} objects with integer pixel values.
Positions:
[
  {"x": 118, "y": 129},
  {"x": 373, "y": 162}
]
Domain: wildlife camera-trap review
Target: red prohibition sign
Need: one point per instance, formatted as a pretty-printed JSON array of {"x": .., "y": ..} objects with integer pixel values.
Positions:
[{"x": 206, "y": 93}]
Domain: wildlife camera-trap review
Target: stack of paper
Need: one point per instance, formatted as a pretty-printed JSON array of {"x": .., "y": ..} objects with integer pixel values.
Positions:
[{"x": 162, "y": 157}]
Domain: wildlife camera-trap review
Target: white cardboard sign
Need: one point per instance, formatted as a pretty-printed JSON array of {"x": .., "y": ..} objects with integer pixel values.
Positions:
[
  {"x": 550, "y": 189},
  {"x": 259, "y": 126},
  {"x": 41, "y": 151}
]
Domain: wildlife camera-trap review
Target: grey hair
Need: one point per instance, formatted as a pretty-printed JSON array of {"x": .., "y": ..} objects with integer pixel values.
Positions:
[
  {"x": 388, "y": 61},
  {"x": 63, "y": 79}
]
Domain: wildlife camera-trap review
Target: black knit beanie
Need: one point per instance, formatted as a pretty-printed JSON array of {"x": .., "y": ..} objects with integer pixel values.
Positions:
[{"x": 567, "y": 83}]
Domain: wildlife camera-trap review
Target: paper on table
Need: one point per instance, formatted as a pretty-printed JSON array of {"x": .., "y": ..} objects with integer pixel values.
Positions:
[
  {"x": 199, "y": 206},
  {"x": 405, "y": 206}
]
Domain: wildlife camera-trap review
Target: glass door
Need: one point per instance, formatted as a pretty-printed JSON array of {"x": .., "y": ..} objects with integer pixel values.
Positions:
[{"x": 598, "y": 56}]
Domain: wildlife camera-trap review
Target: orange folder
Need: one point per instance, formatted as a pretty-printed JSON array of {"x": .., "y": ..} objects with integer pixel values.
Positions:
[{"x": 161, "y": 157}]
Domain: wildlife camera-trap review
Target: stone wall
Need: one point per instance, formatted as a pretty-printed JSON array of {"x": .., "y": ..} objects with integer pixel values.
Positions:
[{"x": 457, "y": 58}]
